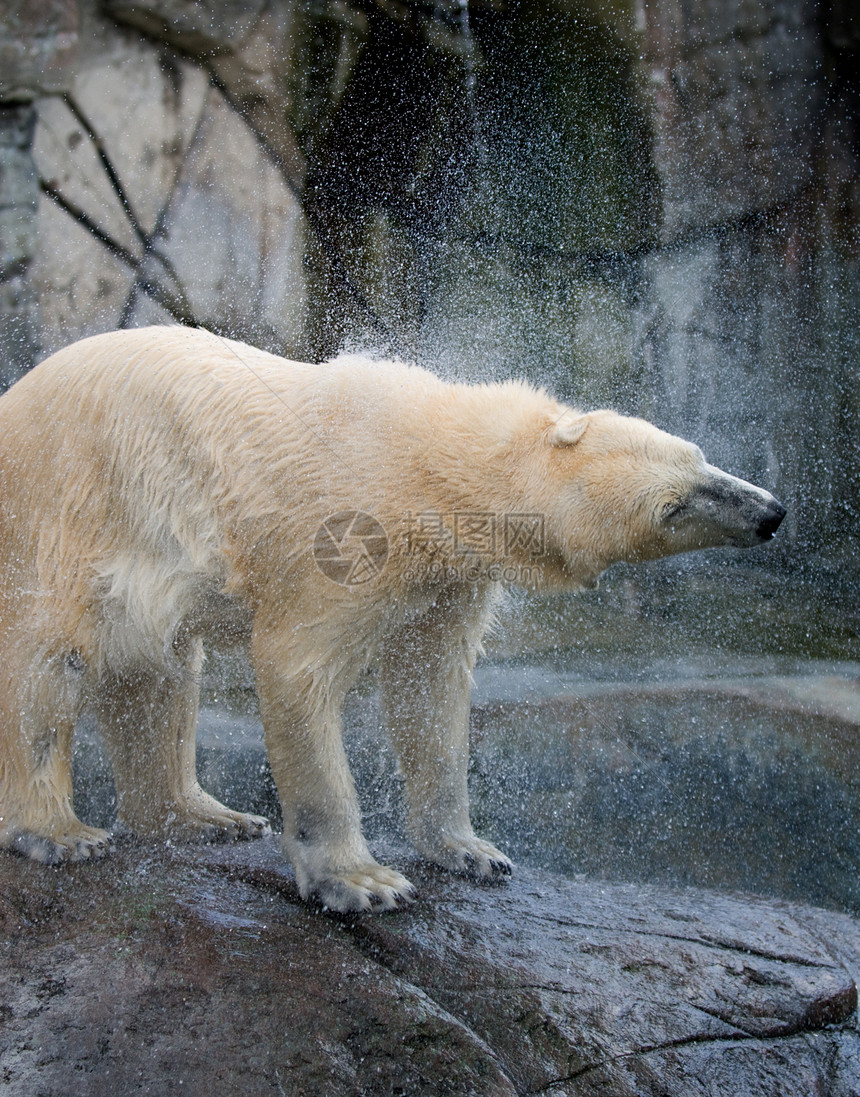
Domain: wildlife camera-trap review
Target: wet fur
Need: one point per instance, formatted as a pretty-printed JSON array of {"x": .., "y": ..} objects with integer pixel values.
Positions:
[{"x": 163, "y": 486}]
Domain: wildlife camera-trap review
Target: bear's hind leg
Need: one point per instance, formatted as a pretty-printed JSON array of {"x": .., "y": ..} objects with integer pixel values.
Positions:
[
  {"x": 39, "y": 704},
  {"x": 149, "y": 723}
]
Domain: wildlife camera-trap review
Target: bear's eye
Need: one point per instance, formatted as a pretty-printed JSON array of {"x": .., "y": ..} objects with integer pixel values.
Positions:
[{"x": 672, "y": 510}]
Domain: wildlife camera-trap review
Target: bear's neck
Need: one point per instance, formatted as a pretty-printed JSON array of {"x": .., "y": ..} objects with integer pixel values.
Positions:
[
  {"x": 471, "y": 448},
  {"x": 474, "y": 462}
]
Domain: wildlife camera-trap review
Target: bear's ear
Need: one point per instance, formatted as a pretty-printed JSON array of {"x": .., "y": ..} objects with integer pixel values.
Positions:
[{"x": 567, "y": 429}]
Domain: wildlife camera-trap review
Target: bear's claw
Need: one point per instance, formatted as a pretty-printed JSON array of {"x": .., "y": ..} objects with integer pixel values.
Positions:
[
  {"x": 370, "y": 888},
  {"x": 495, "y": 866},
  {"x": 470, "y": 856},
  {"x": 88, "y": 844},
  {"x": 203, "y": 819},
  {"x": 235, "y": 828}
]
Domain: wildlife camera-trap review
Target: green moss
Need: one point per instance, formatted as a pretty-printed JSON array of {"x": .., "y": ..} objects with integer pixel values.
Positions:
[{"x": 567, "y": 166}]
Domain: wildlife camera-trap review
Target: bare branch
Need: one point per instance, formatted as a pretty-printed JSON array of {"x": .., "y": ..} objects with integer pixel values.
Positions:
[
  {"x": 170, "y": 302},
  {"x": 145, "y": 238}
]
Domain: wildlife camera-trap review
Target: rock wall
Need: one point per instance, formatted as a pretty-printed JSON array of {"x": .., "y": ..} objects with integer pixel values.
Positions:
[
  {"x": 18, "y": 206},
  {"x": 37, "y": 57},
  {"x": 752, "y": 295},
  {"x": 158, "y": 202}
]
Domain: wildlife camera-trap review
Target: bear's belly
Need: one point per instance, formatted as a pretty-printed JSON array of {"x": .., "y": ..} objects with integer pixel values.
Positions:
[{"x": 148, "y": 612}]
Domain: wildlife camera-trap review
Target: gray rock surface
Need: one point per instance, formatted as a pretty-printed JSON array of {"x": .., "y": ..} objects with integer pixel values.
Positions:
[
  {"x": 19, "y": 199},
  {"x": 38, "y": 47},
  {"x": 38, "y": 51},
  {"x": 199, "y": 968}
]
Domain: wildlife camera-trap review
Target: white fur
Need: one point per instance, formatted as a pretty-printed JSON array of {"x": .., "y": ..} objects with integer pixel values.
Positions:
[{"x": 165, "y": 485}]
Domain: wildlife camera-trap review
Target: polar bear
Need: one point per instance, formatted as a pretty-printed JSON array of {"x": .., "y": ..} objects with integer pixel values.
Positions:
[{"x": 163, "y": 486}]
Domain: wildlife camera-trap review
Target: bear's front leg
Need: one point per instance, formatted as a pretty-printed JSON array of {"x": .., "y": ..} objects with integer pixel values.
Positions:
[
  {"x": 426, "y": 690},
  {"x": 322, "y": 826}
]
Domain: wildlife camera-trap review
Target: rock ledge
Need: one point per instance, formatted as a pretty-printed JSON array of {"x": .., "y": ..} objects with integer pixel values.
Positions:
[{"x": 200, "y": 966}]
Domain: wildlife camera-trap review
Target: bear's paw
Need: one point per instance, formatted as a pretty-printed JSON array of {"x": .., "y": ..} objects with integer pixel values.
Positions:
[
  {"x": 199, "y": 817},
  {"x": 79, "y": 843},
  {"x": 219, "y": 826},
  {"x": 468, "y": 855},
  {"x": 370, "y": 887}
]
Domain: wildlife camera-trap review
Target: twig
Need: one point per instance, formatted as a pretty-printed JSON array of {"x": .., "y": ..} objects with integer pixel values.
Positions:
[
  {"x": 146, "y": 239},
  {"x": 172, "y": 304}
]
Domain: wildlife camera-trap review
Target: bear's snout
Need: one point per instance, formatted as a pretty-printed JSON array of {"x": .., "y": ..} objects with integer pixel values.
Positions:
[
  {"x": 724, "y": 510},
  {"x": 770, "y": 522},
  {"x": 749, "y": 514}
]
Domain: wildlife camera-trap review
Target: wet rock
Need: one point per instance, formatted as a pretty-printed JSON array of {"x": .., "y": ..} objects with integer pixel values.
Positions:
[
  {"x": 199, "y": 968},
  {"x": 193, "y": 28},
  {"x": 739, "y": 782},
  {"x": 38, "y": 52},
  {"x": 738, "y": 99}
]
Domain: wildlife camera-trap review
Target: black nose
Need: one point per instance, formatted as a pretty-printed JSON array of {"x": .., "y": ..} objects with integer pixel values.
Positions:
[{"x": 769, "y": 524}]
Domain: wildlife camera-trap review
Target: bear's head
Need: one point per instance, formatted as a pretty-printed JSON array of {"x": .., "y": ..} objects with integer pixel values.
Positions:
[{"x": 620, "y": 489}]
